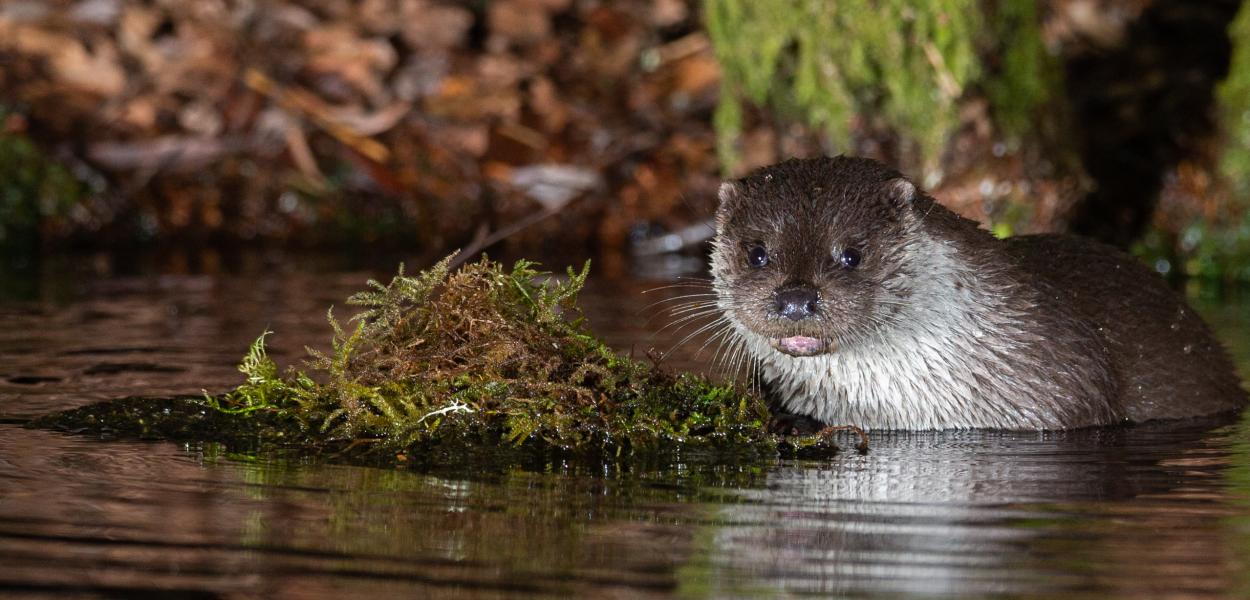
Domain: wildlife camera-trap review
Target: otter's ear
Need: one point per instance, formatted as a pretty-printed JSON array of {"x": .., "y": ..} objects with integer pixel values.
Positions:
[
  {"x": 902, "y": 193},
  {"x": 729, "y": 195},
  {"x": 728, "y": 192}
]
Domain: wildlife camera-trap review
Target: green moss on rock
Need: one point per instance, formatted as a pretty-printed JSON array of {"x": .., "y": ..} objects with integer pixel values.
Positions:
[{"x": 442, "y": 362}]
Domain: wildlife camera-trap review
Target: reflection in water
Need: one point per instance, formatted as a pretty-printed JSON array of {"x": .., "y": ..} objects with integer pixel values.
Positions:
[
  {"x": 984, "y": 514},
  {"x": 1127, "y": 512}
]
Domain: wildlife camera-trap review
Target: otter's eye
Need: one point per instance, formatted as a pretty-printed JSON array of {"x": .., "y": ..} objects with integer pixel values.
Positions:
[
  {"x": 850, "y": 258},
  {"x": 757, "y": 256}
]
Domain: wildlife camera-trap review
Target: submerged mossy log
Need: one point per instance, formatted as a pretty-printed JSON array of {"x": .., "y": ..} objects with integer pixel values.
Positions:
[{"x": 480, "y": 358}]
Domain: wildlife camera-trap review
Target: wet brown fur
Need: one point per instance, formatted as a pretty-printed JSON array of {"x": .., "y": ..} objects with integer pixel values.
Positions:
[{"x": 1085, "y": 333}]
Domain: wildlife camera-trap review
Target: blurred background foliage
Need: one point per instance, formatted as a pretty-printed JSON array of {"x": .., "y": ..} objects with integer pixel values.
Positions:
[
  {"x": 35, "y": 190},
  {"x": 1234, "y": 97},
  {"x": 550, "y": 124},
  {"x": 826, "y": 64},
  {"x": 1215, "y": 245}
]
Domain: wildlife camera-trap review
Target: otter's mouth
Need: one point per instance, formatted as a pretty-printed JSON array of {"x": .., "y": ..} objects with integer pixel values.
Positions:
[{"x": 800, "y": 345}]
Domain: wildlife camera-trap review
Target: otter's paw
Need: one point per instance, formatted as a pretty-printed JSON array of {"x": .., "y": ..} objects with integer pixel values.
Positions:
[{"x": 791, "y": 424}]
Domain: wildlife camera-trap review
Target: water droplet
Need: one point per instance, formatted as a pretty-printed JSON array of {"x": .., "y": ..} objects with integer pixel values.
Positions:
[
  {"x": 1188, "y": 348},
  {"x": 1176, "y": 326},
  {"x": 768, "y": 177}
]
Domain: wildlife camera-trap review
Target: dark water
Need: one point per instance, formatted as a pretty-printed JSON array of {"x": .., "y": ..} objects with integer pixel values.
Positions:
[{"x": 1126, "y": 512}]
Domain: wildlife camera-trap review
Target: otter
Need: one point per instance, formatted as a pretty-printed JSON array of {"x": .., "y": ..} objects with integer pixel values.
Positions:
[{"x": 862, "y": 301}]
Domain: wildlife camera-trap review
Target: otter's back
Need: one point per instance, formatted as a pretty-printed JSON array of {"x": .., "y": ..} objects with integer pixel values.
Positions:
[{"x": 1168, "y": 363}]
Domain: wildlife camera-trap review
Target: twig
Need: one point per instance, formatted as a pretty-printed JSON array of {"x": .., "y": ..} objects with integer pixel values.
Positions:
[
  {"x": 480, "y": 242},
  {"x": 450, "y": 408},
  {"x": 307, "y": 104}
]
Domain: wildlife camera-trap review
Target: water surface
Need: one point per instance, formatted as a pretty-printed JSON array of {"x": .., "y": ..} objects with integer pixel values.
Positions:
[{"x": 1120, "y": 512}]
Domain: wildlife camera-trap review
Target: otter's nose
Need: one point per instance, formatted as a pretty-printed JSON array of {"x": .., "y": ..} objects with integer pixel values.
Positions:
[{"x": 797, "y": 304}]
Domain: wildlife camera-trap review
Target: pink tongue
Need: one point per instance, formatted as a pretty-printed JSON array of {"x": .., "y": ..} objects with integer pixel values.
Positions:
[{"x": 801, "y": 344}]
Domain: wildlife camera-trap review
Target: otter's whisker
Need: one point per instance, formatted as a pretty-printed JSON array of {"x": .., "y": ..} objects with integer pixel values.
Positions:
[
  {"x": 695, "y": 333},
  {"x": 739, "y": 354},
  {"x": 693, "y": 310},
  {"x": 688, "y": 285},
  {"x": 683, "y": 297},
  {"x": 727, "y": 342},
  {"x": 679, "y": 325},
  {"x": 719, "y": 334},
  {"x": 694, "y": 306}
]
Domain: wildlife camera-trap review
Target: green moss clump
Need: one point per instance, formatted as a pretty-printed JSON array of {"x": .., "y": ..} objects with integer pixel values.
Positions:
[
  {"x": 490, "y": 354},
  {"x": 480, "y": 358}
]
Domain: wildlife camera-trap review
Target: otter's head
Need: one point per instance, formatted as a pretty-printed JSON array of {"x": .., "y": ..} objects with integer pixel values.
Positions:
[{"x": 807, "y": 252}]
